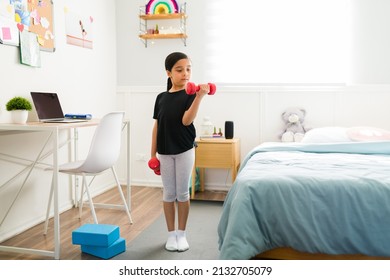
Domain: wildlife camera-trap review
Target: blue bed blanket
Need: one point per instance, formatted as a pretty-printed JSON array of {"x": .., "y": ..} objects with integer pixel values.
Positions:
[{"x": 315, "y": 198}]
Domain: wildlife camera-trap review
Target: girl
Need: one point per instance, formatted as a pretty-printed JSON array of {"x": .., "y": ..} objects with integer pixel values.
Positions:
[{"x": 173, "y": 139}]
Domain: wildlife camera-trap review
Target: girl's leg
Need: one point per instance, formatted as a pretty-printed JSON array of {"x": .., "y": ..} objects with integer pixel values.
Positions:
[
  {"x": 183, "y": 211},
  {"x": 184, "y": 166},
  {"x": 169, "y": 196},
  {"x": 169, "y": 212}
]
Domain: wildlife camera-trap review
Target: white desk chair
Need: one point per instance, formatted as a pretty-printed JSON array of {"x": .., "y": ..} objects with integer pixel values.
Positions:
[{"x": 103, "y": 154}]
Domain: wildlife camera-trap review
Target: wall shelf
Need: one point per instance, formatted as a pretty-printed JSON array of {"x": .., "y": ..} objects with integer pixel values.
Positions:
[
  {"x": 163, "y": 16},
  {"x": 144, "y": 30},
  {"x": 163, "y": 36}
]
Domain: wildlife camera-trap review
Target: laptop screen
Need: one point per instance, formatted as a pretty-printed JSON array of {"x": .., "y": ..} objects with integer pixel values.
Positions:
[{"x": 47, "y": 105}]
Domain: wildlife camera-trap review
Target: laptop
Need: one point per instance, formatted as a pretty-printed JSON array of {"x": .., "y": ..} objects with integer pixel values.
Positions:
[{"x": 49, "y": 109}]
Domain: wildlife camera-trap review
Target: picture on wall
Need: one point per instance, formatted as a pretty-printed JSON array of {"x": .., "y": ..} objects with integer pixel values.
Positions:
[
  {"x": 34, "y": 16},
  {"x": 29, "y": 49},
  {"x": 9, "y": 33},
  {"x": 79, "y": 30},
  {"x": 41, "y": 19}
]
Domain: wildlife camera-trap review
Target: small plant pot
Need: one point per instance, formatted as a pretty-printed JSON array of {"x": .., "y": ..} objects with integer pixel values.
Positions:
[{"x": 19, "y": 116}]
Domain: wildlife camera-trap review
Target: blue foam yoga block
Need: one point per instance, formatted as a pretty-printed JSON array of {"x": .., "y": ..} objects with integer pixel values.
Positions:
[
  {"x": 95, "y": 235},
  {"x": 114, "y": 249}
]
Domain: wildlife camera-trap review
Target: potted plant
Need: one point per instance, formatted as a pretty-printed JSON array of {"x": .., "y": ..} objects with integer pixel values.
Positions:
[{"x": 19, "y": 107}]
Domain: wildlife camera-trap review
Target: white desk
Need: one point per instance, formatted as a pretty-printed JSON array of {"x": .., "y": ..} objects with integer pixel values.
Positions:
[{"x": 53, "y": 130}]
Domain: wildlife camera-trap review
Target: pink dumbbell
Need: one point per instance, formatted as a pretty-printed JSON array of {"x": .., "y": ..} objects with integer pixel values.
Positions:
[
  {"x": 154, "y": 164},
  {"x": 192, "y": 88}
]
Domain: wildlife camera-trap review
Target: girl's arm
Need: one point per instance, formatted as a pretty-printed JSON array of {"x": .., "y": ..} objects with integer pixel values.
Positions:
[
  {"x": 190, "y": 115},
  {"x": 153, "y": 150}
]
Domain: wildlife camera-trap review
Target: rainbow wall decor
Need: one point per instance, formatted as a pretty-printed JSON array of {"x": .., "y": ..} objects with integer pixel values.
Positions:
[{"x": 161, "y": 7}]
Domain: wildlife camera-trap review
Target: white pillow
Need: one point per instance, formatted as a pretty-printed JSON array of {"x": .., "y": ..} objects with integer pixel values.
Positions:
[{"x": 326, "y": 135}]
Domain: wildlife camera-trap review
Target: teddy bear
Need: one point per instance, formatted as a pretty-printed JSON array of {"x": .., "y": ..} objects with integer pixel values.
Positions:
[{"x": 295, "y": 129}]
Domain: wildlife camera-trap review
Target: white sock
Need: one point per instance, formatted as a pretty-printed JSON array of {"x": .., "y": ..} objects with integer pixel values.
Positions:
[
  {"x": 171, "y": 244},
  {"x": 182, "y": 244}
]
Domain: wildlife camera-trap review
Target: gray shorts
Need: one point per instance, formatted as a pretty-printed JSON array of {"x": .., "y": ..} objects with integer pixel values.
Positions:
[{"x": 176, "y": 172}]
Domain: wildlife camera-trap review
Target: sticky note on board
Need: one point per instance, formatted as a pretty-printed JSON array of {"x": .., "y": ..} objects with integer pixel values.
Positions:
[{"x": 6, "y": 33}]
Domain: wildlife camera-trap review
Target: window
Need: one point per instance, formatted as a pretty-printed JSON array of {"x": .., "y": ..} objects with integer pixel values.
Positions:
[{"x": 276, "y": 41}]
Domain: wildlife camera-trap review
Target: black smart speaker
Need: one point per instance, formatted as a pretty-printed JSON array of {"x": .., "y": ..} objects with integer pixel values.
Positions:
[{"x": 229, "y": 130}]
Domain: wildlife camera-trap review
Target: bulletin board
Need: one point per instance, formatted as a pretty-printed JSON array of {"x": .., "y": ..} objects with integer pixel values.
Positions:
[{"x": 42, "y": 23}]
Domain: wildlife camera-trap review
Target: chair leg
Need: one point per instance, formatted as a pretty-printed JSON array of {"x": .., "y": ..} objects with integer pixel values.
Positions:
[
  {"x": 81, "y": 201},
  {"x": 48, "y": 207},
  {"x": 90, "y": 200},
  {"x": 122, "y": 195}
]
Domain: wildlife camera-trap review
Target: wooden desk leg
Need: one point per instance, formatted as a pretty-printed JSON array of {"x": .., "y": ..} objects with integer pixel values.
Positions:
[
  {"x": 128, "y": 167},
  {"x": 193, "y": 178},
  {"x": 201, "y": 179},
  {"x": 55, "y": 193}
]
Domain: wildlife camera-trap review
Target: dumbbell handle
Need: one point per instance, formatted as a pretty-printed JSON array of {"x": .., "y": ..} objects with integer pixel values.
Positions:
[
  {"x": 154, "y": 164},
  {"x": 191, "y": 88}
]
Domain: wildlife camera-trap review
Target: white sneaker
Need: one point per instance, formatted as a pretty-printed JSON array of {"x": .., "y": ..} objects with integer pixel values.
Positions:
[
  {"x": 182, "y": 244},
  {"x": 171, "y": 244}
]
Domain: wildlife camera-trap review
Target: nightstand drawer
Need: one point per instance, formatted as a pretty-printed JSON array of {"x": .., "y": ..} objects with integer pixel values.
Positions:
[{"x": 214, "y": 155}]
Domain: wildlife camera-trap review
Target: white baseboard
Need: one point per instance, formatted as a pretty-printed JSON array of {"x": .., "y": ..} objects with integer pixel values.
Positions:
[{"x": 211, "y": 187}]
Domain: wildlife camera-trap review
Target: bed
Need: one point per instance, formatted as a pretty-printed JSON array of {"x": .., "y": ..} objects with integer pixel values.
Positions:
[{"x": 315, "y": 197}]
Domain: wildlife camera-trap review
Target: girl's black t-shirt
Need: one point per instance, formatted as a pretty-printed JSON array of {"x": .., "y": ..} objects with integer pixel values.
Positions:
[{"x": 172, "y": 136}]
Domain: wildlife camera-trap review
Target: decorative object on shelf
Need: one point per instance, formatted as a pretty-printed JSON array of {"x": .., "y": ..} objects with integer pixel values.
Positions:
[
  {"x": 156, "y": 7},
  {"x": 19, "y": 107},
  {"x": 158, "y": 11}
]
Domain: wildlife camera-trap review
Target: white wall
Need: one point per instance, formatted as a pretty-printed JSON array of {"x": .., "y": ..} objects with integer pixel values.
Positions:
[
  {"x": 85, "y": 81},
  {"x": 369, "y": 42}
]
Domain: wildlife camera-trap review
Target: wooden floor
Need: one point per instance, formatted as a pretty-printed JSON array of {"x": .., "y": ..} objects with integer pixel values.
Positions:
[{"x": 146, "y": 208}]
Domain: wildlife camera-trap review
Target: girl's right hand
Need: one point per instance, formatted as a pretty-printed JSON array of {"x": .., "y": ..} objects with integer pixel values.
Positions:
[{"x": 203, "y": 90}]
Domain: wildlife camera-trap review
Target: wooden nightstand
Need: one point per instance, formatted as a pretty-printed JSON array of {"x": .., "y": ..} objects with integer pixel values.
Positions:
[{"x": 216, "y": 153}]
